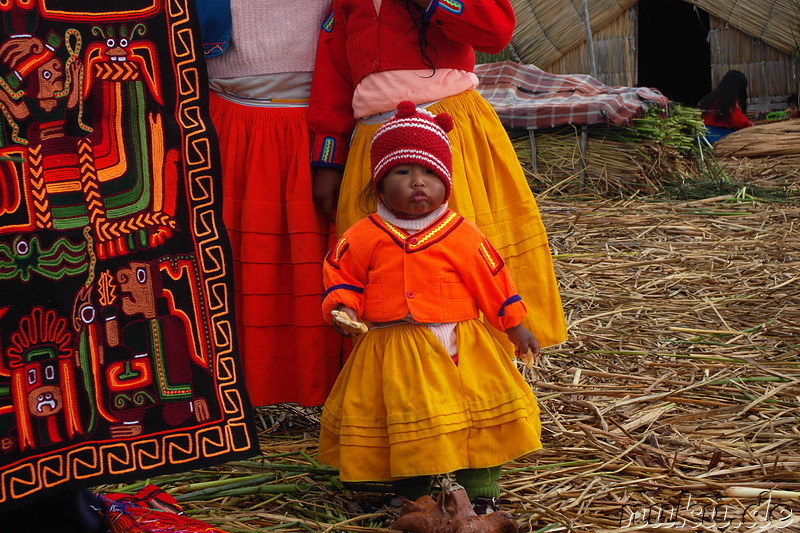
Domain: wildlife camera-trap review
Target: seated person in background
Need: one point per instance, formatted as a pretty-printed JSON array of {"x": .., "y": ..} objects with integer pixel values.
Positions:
[
  {"x": 793, "y": 111},
  {"x": 724, "y": 108},
  {"x": 789, "y": 113}
]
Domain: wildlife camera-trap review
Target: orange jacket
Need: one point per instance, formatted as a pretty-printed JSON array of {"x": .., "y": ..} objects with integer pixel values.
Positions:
[{"x": 447, "y": 272}]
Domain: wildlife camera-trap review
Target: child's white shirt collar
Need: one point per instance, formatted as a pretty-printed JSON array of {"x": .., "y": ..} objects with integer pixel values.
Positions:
[{"x": 412, "y": 225}]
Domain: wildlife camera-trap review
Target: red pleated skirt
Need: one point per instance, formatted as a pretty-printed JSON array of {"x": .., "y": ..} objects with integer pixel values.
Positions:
[{"x": 279, "y": 240}]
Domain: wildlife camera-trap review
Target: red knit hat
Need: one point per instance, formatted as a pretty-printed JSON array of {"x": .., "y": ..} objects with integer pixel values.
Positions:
[{"x": 413, "y": 136}]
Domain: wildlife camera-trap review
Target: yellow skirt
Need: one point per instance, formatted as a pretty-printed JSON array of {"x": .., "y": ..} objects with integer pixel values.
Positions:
[
  {"x": 496, "y": 196},
  {"x": 401, "y": 407}
]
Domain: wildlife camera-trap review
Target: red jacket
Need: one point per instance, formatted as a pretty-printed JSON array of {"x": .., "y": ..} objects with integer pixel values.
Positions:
[
  {"x": 356, "y": 41},
  {"x": 736, "y": 121},
  {"x": 447, "y": 272}
]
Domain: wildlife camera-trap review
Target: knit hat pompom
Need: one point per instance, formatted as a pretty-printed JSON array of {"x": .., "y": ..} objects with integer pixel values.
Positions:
[
  {"x": 445, "y": 121},
  {"x": 413, "y": 136},
  {"x": 405, "y": 109}
]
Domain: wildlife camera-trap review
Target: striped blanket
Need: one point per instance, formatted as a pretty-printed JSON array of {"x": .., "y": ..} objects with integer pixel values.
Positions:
[{"x": 527, "y": 97}]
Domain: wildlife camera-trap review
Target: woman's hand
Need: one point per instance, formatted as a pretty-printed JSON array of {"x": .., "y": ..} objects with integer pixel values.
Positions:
[{"x": 325, "y": 183}]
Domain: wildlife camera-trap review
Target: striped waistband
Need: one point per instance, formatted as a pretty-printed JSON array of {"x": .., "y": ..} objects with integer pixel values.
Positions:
[
  {"x": 380, "y": 118},
  {"x": 266, "y": 102},
  {"x": 378, "y": 325}
]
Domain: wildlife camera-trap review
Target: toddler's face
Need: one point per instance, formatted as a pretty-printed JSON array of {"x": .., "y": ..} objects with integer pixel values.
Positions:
[{"x": 412, "y": 190}]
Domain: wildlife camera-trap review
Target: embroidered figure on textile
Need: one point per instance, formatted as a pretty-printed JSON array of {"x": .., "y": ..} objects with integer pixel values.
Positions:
[
  {"x": 114, "y": 175},
  {"x": 125, "y": 333},
  {"x": 40, "y": 363},
  {"x": 146, "y": 378}
]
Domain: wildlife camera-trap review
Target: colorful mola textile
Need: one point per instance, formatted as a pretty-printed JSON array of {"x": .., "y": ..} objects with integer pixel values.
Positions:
[{"x": 117, "y": 350}]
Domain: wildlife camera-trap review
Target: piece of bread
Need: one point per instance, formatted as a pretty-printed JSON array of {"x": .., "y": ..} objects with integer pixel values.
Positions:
[
  {"x": 528, "y": 358},
  {"x": 341, "y": 319}
]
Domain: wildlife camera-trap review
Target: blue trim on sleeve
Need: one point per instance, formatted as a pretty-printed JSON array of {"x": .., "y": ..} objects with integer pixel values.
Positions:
[
  {"x": 327, "y": 24},
  {"x": 513, "y": 299},
  {"x": 456, "y": 7},
  {"x": 354, "y": 288},
  {"x": 323, "y": 164},
  {"x": 216, "y": 24},
  {"x": 328, "y": 150},
  {"x": 430, "y": 11}
]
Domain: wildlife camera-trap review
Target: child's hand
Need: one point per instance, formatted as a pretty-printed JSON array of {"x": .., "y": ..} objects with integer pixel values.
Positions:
[
  {"x": 524, "y": 341},
  {"x": 348, "y": 324}
]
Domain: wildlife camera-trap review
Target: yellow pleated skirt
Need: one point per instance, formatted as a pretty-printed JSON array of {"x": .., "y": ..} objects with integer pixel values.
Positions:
[
  {"x": 401, "y": 407},
  {"x": 489, "y": 188}
]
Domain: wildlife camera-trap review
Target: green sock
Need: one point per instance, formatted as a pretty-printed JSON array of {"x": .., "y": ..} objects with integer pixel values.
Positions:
[
  {"x": 413, "y": 487},
  {"x": 480, "y": 481}
]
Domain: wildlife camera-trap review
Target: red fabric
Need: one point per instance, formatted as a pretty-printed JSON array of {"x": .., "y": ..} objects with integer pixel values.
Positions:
[
  {"x": 279, "y": 240},
  {"x": 735, "y": 121},
  {"x": 151, "y": 510},
  {"x": 444, "y": 273},
  {"x": 527, "y": 97},
  {"x": 358, "y": 41}
]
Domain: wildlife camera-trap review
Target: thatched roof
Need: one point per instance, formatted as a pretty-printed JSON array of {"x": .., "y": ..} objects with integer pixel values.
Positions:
[
  {"x": 772, "y": 21},
  {"x": 547, "y": 29}
]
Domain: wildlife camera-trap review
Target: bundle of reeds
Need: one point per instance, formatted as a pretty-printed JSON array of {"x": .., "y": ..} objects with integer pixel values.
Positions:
[
  {"x": 607, "y": 170},
  {"x": 777, "y": 138},
  {"x": 656, "y": 151}
]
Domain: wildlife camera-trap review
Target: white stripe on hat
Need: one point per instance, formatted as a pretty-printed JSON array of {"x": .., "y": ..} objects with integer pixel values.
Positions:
[
  {"x": 403, "y": 154},
  {"x": 412, "y": 123}
]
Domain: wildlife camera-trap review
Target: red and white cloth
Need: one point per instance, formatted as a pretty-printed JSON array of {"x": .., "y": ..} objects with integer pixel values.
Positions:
[{"x": 525, "y": 96}]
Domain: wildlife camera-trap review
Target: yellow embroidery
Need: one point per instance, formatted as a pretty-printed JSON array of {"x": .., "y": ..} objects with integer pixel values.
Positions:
[
  {"x": 335, "y": 254},
  {"x": 488, "y": 257},
  {"x": 492, "y": 258},
  {"x": 418, "y": 240},
  {"x": 400, "y": 234},
  {"x": 341, "y": 246},
  {"x": 432, "y": 233}
]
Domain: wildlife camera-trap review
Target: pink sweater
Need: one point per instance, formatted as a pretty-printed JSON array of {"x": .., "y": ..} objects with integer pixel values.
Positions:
[{"x": 270, "y": 37}]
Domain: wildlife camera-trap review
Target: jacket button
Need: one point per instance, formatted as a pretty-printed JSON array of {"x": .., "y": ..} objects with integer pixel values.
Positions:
[
  {"x": 410, "y": 294},
  {"x": 413, "y": 240}
]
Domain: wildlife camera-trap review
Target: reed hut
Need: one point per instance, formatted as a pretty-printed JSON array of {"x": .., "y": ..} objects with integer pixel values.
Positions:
[{"x": 681, "y": 47}]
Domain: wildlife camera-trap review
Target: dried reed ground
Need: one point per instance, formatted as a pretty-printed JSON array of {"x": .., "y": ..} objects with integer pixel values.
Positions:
[{"x": 680, "y": 379}]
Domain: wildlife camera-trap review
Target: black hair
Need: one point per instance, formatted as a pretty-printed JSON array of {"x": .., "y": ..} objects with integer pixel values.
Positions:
[
  {"x": 418, "y": 22},
  {"x": 792, "y": 99},
  {"x": 731, "y": 90},
  {"x": 368, "y": 198}
]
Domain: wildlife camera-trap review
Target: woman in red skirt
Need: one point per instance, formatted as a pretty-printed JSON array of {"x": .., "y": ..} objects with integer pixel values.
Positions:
[{"x": 260, "y": 88}]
